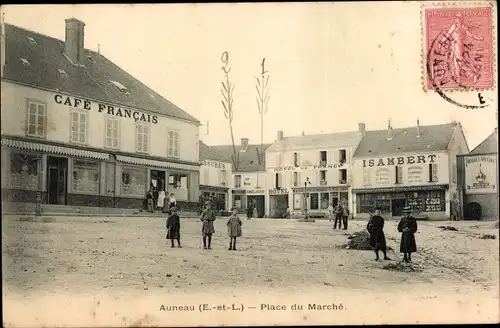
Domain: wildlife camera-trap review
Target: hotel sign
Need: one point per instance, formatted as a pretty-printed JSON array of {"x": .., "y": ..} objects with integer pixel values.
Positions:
[
  {"x": 314, "y": 167},
  {"x": 481, "y": 174},
  {"x": 103, "y": 108},
  {"x": 278, "y": 191}
]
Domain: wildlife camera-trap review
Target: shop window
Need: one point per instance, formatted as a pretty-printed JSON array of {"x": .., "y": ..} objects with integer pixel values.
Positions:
[
  {"x": 134, "y": 181},
  {"x": 85, "y": 177},
  {"x": 322, "y": 158},
  {"x": 178, "y": 185},
  {"x": 342, "y": 156},
  {"x": 24, "y": 171},
  {"x": 399, "y": 174},
  {"x": 36, "y": 119},
  {"x": 433, "y": 177},
  {"x": 237, "y": 181},
  {"x": 112, "y": 132},
  {"x": 142, "y": 141},
  {"x": 296, "y": 159},
  {"x": 324, "y": 200},
  {"x": 314, "y": 201},
  {"x": 435, "y": 201},
  {"x": 173, "y": 144},
  {"x": 79, "y": 126},
  {"x": 237, "y": 201},
  {"x": 342, "y": 176}
]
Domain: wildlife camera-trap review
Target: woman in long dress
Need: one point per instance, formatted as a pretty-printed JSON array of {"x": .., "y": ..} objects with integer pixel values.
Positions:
[{"x": 161, "y": 200}]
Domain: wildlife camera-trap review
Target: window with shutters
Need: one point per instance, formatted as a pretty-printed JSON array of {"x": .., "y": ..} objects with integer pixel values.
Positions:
[
  {"x": 342, "y": 176},
  {"x": 342, "y": 156},
  {"x": 399, "y": 174},
  {"x": 36, "y": 120},
  {"x": 433, "y": 177},
  {"x": 79, "y": 126},
  {"x": 237, "y": 181},
  {"x": 173, "y": 144},
  {"x": 322, "y": 177},
  {"x": 322, "y": 158},
  {"x": 142, "y": 141},
  {"x": 112, "y": 132}
]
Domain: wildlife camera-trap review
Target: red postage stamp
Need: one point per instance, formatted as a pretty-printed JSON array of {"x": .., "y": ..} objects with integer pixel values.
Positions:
[{"x": 458, "y": 46}]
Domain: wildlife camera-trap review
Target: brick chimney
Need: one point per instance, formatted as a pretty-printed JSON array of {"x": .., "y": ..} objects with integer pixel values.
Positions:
[
  {"x": 280, "y": 135},
  {"x": 244, "y": 144},
  {"x": 361, "y": 128},
  {"x": 74, "y": 42},
  {"x": 389, "y": 131},
  {"x": 418, "y": 128}
]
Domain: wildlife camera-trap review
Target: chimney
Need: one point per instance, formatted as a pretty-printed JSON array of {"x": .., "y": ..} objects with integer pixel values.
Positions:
[
  {"x": 361, "y": 128},
  {"x": 74, "y": 44},
  {"x": 389, "y": 131},
  {"x": 244, "y": 144},
  {"x": 418, "y": 128},
  {"x": 280, "y": 135}
]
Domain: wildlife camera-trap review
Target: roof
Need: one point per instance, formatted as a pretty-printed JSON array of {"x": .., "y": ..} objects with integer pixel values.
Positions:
[
  {"x": 326, "y": 140},
  {"x": 404, "y": 140},
  {"x": 207, "y": 153},
  {"x": 46, "y": 58},
  {"x": 489, "y": 145},
  {"x": 249, "y": 159}
]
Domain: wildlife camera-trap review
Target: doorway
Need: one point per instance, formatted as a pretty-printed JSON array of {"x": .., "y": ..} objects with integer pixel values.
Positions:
[
  {"x": 474, "y": 212},
  {"x": 397, "y": 206},
  {"x": 57, "y": 176},
  {"x": 278, "y": 206},
  {"x": 258, "y": 204},
  {"x": 157, "y": 184}
]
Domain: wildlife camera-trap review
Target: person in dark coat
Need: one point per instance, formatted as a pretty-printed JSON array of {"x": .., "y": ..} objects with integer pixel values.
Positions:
[
  {"x": 345, "y": 213},
  {"x": 207, "y": 229},
  {"x": 149, "y": 197},
  {"x": 338, "y": 217},
  {"x": 174, "y": 227},
  {"x": 249, "y": 210},
  {"x": 377, "y": 237},
  {"x": 407, "y": 226}
]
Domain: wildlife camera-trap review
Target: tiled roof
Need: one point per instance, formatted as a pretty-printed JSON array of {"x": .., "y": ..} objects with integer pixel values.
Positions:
[
  {"x": 404, "y": 140},
  {"x": 327, "y": 140},
  {"x": 249, "y": 159},
  {"x": 206, "y": 152},
  {"x": 489, "y": 145},
  {"x": 45, "y": 58}
]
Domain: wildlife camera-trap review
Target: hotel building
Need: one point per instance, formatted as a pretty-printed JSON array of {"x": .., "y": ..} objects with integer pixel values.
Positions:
[
  {"x": 77, "y": 130},
  {"x": 414, "y": 166}
]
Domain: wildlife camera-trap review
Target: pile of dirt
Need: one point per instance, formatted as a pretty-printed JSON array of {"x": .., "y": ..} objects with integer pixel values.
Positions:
[
  {"x": 449, "y": 228},
  {"x": 487, "y": 236},
  {"x": 359, "y": 240},
  {"x": 402, "y": 267}
]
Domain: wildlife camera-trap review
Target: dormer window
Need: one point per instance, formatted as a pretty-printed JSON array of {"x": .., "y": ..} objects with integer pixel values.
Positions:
[
  {"x": 31, "y": 40},
  {"x": 62, "y": 72},
  {"x": 25, "y": 62},
  {"x": 120, "y": 87}
]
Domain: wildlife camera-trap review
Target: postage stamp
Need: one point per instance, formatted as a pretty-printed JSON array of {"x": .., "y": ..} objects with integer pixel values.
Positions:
[{"x": 458, "y": 47}]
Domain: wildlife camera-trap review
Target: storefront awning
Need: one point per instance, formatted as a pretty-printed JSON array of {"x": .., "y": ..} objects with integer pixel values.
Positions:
[
  {"x": 155, "y": 163},
  {"x": 33, "y": 146},
  {"x": 399, "y": 189}
]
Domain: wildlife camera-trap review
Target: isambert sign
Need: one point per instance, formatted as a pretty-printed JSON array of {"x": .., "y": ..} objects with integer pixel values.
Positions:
[{"x": 481, "y": 174}]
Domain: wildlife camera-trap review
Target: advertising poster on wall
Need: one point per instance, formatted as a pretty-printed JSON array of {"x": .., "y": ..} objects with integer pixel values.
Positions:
[{"x": 481, "y": 174}]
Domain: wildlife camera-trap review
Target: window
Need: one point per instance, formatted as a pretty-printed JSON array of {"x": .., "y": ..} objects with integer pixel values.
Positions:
[
  {"x": 24, "y": 171},
  {"x": 433, "y": 173},
  {"x": 324, "y": 200},
  {"x": 322, "y": 158},
  {"x": 112, "y": 132},
  {"x": 314, "y": 201},
  {"x": 223, "y": 175},
  {"x": 278, "y": 181},
  {"x": 399, "y": 174},
  {"x": 134, "y": 181},
  {"x": 79, "y": 127},
  {"x": 454, "y": 172},
  {"x": 36, "y": 119},
  {"x": 435, "y": 201},
  {"x": 142, "y": 138},
  {"x": 295, "y": 159},
  {"x": 85, "y": 177},
  {"x": 322, "y": 177},
  {"x": 173, "y": 144},
  {"x": 295, "y": 179},
  {"x": 342, "y": 176},
  {"x": 237, "y": 181},
  {"x": 342, "y": 156}
]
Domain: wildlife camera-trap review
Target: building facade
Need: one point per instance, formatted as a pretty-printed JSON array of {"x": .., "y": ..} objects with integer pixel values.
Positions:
[
  {"x": 478, "y": 181},
  {"x": 215, "y": 178},
  {"x": 248, "y": 176},
  {"x": 309, "y": 172},
  {"x": 414, "y": 166},
  {"x": 78, "y": 130}
]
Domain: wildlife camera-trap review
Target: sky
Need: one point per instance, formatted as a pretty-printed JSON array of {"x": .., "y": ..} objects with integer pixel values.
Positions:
[{"x": 331, "y": 66}]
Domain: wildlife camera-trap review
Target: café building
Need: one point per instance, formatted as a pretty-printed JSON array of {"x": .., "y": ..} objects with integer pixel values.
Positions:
[
  {"x": 414, "y": 166},
  {"x": 215, "y": 178},
  {"x": 77, "y": 130},
  {"x": 310, "y": 171},
  {"x": 478, "y": 180}
]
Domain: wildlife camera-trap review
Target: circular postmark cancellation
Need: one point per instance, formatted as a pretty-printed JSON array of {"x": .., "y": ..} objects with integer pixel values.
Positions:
[{"x": 459, "y": 52}]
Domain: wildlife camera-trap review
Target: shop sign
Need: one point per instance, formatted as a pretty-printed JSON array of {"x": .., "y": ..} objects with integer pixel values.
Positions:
[
  {"x": 302, "y": 168},
  {"x": 278, "y": 191},
  {"x": 320, "y": 189},
  {"x": 103, "y": 108},
  {"x": 382, "y": 176},
  {"x": 400, "y": 160},
  {"x": 255, "y": 191},
  {"x": 415, "y": 174},
  {"x": 214, "y": 164},
  {"x": 481, "y": 174}
]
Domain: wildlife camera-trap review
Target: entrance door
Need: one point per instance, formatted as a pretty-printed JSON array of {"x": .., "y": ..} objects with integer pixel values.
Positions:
[
  {"x": 57, "y": 169},
  {"x": 397, "y": 206},
  {"x": 52, "y": 185}
]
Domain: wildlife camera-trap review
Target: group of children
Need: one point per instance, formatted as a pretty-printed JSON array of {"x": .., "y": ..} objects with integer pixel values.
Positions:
[{"x": 207, "y": 218}]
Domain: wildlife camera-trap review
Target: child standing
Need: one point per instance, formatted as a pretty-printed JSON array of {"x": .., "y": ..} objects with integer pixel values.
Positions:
[
  {"x": 174, "y": 227},
  {"x": 233, "y": 229},
  {"x": 207, "y": 228}
]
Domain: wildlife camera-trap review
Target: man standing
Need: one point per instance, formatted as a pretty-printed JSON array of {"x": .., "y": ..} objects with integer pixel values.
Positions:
[
  {"x": 407, "y": 226},
  {"x": 338, "y": 216},
  {"x": 345, "y": 213},
  {"x": 249, "y": 210},
  {"x": 377, "y": 237}
]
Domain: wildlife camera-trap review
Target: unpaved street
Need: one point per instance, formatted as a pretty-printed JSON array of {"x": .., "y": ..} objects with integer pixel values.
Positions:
[{"x": 121, "y": 257}]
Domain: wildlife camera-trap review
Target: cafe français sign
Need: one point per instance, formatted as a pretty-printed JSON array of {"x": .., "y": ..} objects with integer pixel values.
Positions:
[
  {"x": 103, "y": 108},
  {"x": 481, "y": 174}
]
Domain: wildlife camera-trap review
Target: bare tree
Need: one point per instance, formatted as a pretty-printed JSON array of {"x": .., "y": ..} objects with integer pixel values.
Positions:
[
  {"x": 227, "y": 93},
  {"x": 262, "y": 87}
]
